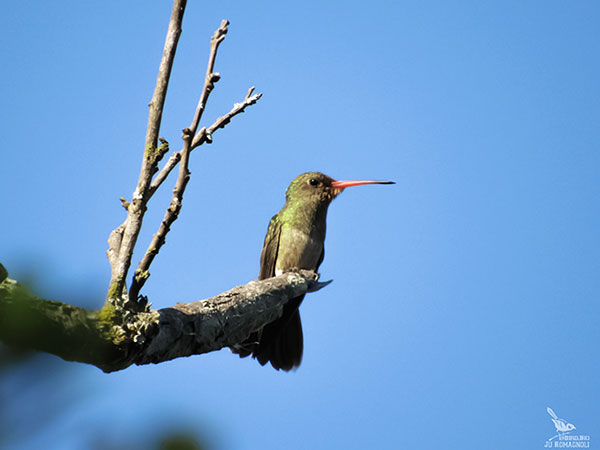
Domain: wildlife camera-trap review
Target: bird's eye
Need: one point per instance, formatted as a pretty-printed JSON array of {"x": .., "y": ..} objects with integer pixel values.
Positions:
[{"x": 313, "y": 182}]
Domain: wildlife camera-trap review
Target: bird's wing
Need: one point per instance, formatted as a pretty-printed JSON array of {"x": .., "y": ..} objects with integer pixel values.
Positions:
[
  {"x": 551, "y": 412},
  {"x": 268, "y": 257}
]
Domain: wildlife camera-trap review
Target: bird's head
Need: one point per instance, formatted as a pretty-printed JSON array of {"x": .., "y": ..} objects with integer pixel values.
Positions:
[{"x": 319, "y": 188}]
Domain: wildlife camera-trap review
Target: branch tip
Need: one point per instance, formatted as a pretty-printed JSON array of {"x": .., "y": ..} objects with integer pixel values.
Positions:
[{"x": 318, "y": 285}]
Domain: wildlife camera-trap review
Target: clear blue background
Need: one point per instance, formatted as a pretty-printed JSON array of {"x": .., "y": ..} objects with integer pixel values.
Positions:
[{"x": 466, "y": 297}]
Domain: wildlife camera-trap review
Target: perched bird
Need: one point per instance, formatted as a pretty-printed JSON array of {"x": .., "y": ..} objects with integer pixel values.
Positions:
[
  {"x": 295, "y": 239},
  {"x": 561, "y": 425}
]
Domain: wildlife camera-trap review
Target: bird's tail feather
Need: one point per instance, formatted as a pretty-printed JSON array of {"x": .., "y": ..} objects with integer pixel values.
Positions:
[{"x": 280, "y": 342}]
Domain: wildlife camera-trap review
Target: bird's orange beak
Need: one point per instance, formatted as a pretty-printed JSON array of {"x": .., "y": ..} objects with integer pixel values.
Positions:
[{"x": 348, "y": 183}]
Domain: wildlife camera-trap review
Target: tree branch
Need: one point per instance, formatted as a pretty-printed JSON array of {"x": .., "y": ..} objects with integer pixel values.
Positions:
[
  {"x": 126, "y": 331},
  {"x": 158, "y": 240},
  {"x": 123, "y": 238},
  {"x": 113, "y": 340},
  {"x": 211, "y": 77},
  {"x": 204, "y": 135},
  {"x": 142, "y": 273},
  {"x": 238, "y": 108}
]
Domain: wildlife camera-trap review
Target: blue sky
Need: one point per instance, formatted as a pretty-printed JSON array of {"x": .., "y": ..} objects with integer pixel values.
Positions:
[{"x": 465, "y": 298}]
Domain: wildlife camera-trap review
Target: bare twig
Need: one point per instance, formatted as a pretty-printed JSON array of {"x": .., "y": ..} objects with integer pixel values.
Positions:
[
  {"x": 204, "y": 135},
  {"x": 211, "y": 77},
  {"x": 123, "y": 238},
  {"x": 142, "y": 273},
  {"x": 238, "y": 108},
  {"x": 171, "y": 214},
  {"x": 165, "y": 171}
]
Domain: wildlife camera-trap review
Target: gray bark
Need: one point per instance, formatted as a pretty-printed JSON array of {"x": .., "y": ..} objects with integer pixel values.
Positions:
[{"x": 113, "y": 339}]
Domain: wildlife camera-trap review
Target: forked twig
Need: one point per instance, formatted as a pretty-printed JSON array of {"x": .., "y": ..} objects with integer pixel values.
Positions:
[
  {"x": 204, "y": 135},
  {"x": 171, "y": 214}
]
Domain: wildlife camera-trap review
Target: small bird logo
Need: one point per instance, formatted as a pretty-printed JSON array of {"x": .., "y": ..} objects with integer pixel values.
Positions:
[{"x": 562, "y": 426}]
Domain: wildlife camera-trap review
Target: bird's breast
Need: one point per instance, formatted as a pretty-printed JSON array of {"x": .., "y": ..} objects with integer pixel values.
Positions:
[{"x": 298, "y": 249}]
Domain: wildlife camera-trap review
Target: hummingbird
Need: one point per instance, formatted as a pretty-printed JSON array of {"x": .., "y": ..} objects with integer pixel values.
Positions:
[{"x": 295, "y": 239}]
